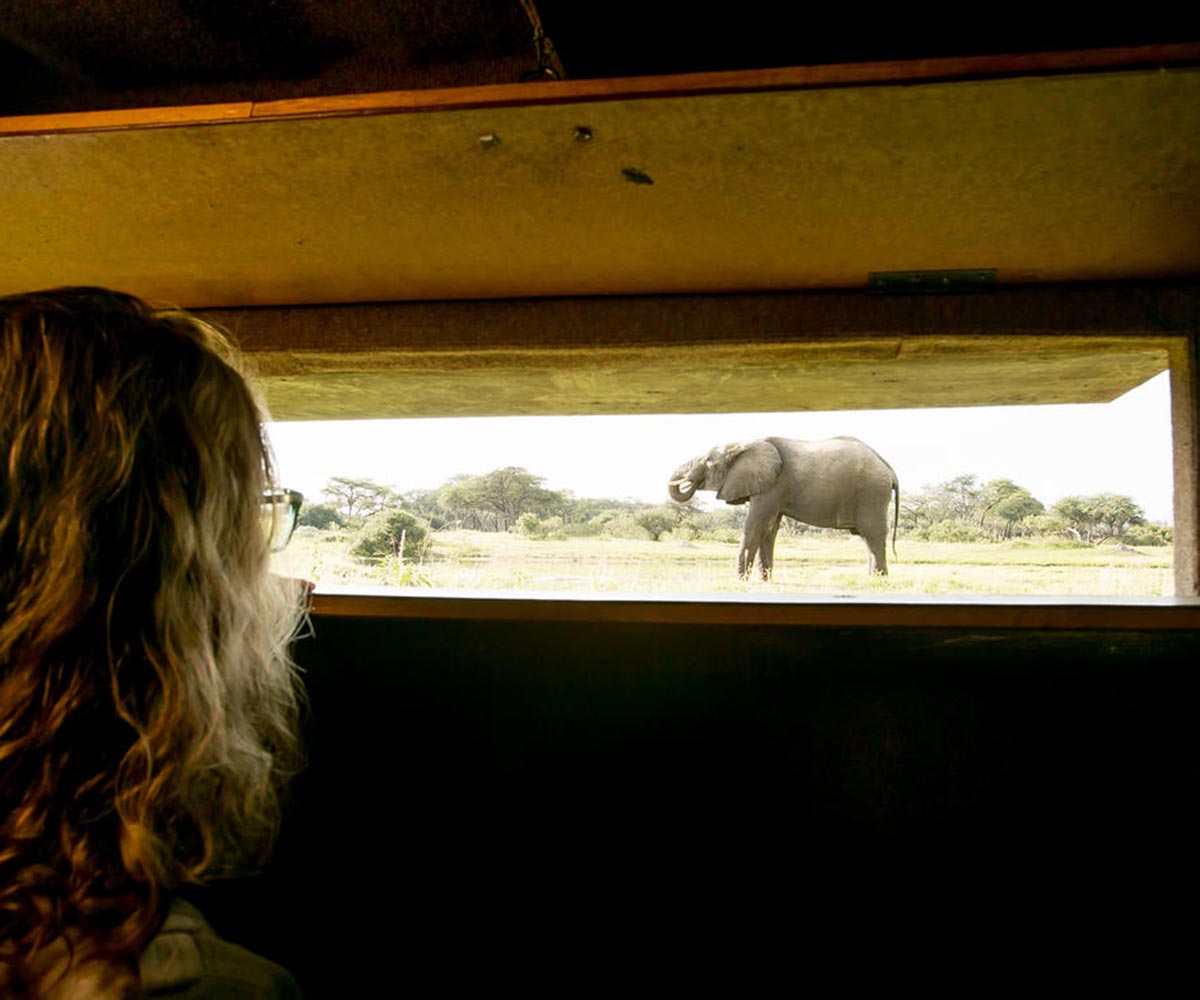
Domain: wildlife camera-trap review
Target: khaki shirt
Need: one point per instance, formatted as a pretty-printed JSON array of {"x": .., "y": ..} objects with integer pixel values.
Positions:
[{"x": 187, "y": 961}]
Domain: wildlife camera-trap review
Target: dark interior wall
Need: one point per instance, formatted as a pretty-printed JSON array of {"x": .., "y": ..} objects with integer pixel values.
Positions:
[
  {"x": 463, "y": 771},
  {"x": 141, "y": 53},
  {"x": 149, "y": 53}
]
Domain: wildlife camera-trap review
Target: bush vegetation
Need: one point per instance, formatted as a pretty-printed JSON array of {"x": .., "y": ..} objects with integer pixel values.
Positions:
[
  {"x": 401, "y": 526},
  {"x": 396, "y": 533}
]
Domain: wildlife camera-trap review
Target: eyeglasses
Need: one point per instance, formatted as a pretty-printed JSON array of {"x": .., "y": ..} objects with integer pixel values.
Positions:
[{"x": 278, "y": 516}]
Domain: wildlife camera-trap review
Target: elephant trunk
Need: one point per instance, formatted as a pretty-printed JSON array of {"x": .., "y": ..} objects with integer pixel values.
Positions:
[
  {"x": 685, "y": 480},
  {"x": 681, "y": 490}
]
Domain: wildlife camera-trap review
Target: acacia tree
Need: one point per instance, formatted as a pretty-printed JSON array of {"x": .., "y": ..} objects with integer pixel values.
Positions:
[
  {"x": 956, "y": 499},
  {"x": 960, "y": 497},
  {"x": 426, "y": 504},
  {"x": 688, "y": 518},
  {"x": 459, "y": 500},
  {"x": 1116, "y": 513},
  {"x": 656, "y": 521},
  {"x": 357, "y": 499},
  {"x": 1095, "y": 518},
  {"x": 1008, "y": 503},
  {"x": 495, "y": 500},
  {"x": 1074, "y": 511}
]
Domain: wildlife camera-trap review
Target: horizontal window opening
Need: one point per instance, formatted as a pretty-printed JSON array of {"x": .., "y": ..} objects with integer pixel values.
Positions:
[{"x": 1038, "y": 501}]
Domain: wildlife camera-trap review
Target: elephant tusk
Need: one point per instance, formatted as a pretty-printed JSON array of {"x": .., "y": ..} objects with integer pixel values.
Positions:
[{"x": 683, "y": 485}]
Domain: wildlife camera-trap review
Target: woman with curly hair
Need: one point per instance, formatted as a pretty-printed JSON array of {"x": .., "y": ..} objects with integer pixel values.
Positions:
[{"x": 147, "y": 700}]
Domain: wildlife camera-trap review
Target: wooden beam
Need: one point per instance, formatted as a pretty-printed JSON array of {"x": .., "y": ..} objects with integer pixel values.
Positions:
[
  {"x": 712, "y": 353},
  {"x": 885, "y": 373},
  {"x": 803, "y": 611},
  {"x": 893, "y": 72},
  {"x": 1185, "y": 392},
  {"x": 1113, "y": 309}
]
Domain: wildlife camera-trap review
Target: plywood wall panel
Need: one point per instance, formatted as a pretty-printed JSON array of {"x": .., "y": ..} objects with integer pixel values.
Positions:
[{"x": 1078, "y": 177}]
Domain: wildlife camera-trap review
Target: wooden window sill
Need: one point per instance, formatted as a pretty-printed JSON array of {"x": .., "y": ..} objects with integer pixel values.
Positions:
[{"x": 804, "y": 610}]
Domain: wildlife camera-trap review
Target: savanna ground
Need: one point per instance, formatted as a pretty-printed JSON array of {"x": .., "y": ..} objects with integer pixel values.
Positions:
[{"x": 805, "y": 563}]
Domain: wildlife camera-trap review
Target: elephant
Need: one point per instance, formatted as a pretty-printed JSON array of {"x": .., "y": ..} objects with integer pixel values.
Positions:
[{"x": 836, "y": 483}]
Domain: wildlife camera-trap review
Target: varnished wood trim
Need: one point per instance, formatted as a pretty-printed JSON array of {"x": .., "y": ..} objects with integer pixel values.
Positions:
[
  {"x": 774, "y": 610},
  {"x": 739, "y": 81},
  {"x": 1185, "y": 433},
  {"x": 101, "y": 121},
  {"x": 902, "y": 72}
]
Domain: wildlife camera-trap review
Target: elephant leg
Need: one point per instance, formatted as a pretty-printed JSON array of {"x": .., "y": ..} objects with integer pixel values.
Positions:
[
  {"x": 766, "y": 553},
  {"x": 746, "y": 553},
  {"x": 877, "y": 546},
  {"x": 759, "y": 519}
]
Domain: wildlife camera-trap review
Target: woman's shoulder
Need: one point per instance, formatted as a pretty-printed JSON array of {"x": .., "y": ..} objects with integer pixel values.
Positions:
[{"x": 188, "y": 961}]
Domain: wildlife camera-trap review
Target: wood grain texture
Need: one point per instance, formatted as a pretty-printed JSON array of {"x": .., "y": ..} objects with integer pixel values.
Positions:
[
  {"x": 806, "y": 351},
  {"x": 1071, "y": 177},
  {"x": 1185, "y": 394},
  {"x": 1070, "y": 310},
  {"x": 935, "y": 612},
  {"x": 857, "y": 375},
  {"x": 125, "y": 118}
]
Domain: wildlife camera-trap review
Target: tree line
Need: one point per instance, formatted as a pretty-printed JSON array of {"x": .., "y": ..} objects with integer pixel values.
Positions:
[
  {"x": 965, "y": 509},
  {"x": 513, "y": 499},
  {"x": 507, "y": 499}
]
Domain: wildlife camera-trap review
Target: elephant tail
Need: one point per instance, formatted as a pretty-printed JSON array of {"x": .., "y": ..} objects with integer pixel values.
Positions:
[{"x": 896, "y": 519}]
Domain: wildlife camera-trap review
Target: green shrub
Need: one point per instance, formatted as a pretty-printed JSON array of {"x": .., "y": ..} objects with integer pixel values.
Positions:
[
  {"x": 394, "y": 572},
  {"x": 589, "y": 529},
  {"x": 728, "y": 536},
  {"x": 1045, "y": 525},
  {"x": 952, "y": 531},
  {"x": 392, "y": 533},
  {"x": 552, "y": 529},
  {"x": 529, "y": 525},
  {"x": 1061, "y": 542},
  {"x": 655, "y": 521},
  {"x": 1147, "y": 534},
  {"x": 625, "y": 526},
  {"x": 318, "y": 515}
]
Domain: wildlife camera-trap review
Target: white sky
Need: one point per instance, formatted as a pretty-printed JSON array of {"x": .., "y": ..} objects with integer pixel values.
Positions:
[{"x": 1053, "y": 451}]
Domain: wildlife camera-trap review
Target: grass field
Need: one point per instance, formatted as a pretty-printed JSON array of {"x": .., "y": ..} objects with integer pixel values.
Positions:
[{"x": 470, "y": 560}]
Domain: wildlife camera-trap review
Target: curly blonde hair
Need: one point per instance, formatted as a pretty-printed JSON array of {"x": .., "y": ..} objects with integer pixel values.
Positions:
[{"x": 148, "y": 704}]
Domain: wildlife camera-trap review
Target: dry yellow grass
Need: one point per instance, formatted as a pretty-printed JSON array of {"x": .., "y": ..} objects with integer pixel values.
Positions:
[{"x": 467, "y": 561}]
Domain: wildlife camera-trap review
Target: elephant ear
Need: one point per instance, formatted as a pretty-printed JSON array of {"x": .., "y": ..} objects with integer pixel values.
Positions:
[{"x": 753, "y": 469}]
